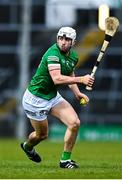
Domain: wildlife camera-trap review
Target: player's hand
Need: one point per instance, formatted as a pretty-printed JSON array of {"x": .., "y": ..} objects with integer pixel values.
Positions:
[
  {"x": 87, "y": 80},
  {"x": 85, "y": 98},
  {"x": 80, "y": 95}
]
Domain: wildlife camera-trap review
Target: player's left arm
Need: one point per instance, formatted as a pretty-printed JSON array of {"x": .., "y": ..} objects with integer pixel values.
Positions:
[{"x": 78, "y": 94}]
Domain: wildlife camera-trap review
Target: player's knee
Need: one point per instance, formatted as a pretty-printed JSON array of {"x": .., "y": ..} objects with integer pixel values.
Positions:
[{"x": 75, "y": 125}]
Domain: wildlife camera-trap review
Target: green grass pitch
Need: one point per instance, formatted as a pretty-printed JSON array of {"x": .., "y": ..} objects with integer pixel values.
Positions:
[{"x": 97, "y": 160}]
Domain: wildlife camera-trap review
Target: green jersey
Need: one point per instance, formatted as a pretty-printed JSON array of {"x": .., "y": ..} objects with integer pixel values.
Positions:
[{"x": 42, "y": 84}]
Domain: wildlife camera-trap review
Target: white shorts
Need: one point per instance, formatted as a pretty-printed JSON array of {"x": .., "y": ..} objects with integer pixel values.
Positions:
[{"x": 37, "y": 108}]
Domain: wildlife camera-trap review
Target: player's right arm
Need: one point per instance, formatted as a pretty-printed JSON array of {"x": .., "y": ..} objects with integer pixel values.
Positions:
[{"x": 58, "y": 79}]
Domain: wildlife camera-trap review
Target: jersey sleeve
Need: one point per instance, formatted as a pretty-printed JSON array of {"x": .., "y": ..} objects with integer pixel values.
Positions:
[{"x": 53, "y": 60}]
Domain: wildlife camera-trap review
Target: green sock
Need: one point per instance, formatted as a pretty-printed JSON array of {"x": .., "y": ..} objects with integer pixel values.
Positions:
[
  {"x": 65, "y": 155},
  {"x": 27, "y": 146}
]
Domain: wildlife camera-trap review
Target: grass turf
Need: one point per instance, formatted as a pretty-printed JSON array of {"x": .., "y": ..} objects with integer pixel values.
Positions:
[{"x": 97, "y": 160}]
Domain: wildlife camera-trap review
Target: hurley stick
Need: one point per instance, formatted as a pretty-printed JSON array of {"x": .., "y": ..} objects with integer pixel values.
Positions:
[{"x": 111, "y": 27}]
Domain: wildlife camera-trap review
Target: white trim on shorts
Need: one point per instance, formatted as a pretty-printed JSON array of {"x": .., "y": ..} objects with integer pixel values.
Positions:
[{"x": 37, "y": 108}]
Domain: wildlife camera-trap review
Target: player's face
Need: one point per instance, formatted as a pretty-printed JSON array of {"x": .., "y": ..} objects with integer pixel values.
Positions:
[{"x": 64, "y": 43}]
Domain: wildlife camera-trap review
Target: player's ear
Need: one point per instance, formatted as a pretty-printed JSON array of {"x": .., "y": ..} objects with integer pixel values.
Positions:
[
  {"x": 73, "y": 43},
  {"x": 57, "y": 39}
]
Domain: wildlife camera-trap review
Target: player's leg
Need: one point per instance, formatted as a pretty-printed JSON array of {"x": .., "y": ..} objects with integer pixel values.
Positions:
[
  {"x": 40, "y": 133},
  {"x": 34, "y": 109},
  {"x": 65, "y": 112}
]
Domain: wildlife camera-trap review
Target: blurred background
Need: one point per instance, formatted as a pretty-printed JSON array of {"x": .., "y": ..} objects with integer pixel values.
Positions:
[{"x": 27, "y": 29}]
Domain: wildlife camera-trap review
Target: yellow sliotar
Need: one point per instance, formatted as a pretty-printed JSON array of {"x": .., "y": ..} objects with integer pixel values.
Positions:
[{"x": 83, "y": 102}]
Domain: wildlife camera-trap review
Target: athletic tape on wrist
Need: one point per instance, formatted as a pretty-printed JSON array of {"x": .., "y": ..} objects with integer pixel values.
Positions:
[{"x": 81, "y": 79}]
